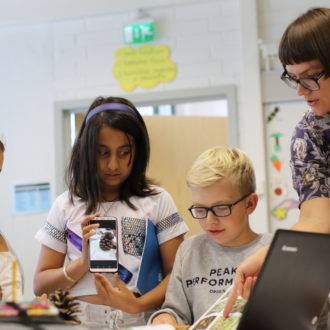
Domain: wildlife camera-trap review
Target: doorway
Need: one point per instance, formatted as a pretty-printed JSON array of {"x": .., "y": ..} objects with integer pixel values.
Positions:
[{"x": 180, "y": 127}]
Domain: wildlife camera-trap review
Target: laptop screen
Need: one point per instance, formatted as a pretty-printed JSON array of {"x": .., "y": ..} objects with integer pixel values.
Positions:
[{"x": 293, "y": 284}]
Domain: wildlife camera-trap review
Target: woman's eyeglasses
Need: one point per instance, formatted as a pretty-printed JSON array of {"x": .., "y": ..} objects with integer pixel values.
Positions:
[{"x": 311, "y": 82}]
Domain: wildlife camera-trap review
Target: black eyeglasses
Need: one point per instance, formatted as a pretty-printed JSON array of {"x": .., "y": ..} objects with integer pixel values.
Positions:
[
  {"x": 311, "y": 82},
  {"x": 223, "y": 210}
]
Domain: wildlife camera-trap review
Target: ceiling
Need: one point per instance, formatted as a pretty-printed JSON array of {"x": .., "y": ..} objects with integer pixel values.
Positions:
[{"x": 32, "y": 11}]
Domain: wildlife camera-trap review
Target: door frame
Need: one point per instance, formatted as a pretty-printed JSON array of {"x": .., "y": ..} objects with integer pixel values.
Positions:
[{"x": 63, "y": 109}]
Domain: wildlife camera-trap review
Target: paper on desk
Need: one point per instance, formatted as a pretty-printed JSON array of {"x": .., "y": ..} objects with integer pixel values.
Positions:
[
  {"x": 212, "y": 319},
  {"x": 151, "y": 327}
]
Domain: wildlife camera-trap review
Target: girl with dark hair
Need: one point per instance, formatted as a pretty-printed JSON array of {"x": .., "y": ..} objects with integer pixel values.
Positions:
[
  {"x": 107, "y": 176},
  {"x": 304, "y": 51}
]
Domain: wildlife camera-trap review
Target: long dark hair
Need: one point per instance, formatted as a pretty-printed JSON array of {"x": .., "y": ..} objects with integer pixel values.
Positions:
[
  {"x": 2, "y": 146},
  {"x": 82, "y": 177},
  {"x": 307, "y": 38}
]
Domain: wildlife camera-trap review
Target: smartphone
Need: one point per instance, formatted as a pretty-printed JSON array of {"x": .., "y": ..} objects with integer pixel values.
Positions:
[{"x": 102, "y": 246}]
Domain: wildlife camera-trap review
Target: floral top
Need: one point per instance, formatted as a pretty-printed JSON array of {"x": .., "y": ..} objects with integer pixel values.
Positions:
[{"x": 310, "y": 156}]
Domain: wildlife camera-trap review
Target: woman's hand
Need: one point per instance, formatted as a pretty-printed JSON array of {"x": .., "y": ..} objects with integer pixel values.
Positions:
[
  {"x": 248, "y": 286},
  {"x": 163, "y": 318},
  {"x": 88, "y": 232},
  {"x": 245, "y": 278},
  {"x": 118, "y": 298}
]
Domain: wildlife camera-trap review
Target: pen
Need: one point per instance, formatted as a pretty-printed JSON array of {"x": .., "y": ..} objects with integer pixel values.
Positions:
[{"x": 182, "y": 326}]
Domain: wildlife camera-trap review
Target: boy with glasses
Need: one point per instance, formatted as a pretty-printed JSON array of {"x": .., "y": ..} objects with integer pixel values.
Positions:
[{"x": 222, "y": 184}]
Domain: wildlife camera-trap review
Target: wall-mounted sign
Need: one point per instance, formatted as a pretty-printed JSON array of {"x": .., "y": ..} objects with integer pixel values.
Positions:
[
  {"x": 33, "y": 197},
  {"x": 137, "y": 33},
  {"x": 144, "y": 67}
]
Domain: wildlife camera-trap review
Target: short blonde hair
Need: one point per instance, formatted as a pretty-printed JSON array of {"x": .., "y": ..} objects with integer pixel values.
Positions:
[{"x": 223, "y": 162}]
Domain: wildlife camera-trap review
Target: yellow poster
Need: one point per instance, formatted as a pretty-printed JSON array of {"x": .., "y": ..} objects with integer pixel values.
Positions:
[{"x": 144, "y": 67}]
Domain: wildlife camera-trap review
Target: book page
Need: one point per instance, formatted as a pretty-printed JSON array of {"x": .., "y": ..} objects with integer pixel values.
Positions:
[{"x": 212, "y": 319}]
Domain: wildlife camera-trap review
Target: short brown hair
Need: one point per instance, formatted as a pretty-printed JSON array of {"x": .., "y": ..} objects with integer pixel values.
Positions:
[
  {"x": 307, "y": 38},
  {"x": 2, "y": 146}
]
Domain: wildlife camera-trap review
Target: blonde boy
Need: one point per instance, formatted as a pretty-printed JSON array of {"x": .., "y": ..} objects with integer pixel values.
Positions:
[{"x": 222, "y": 184}]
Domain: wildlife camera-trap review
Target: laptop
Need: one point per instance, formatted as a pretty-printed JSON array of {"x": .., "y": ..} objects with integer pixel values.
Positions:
[{"x": 293, "y": 283}]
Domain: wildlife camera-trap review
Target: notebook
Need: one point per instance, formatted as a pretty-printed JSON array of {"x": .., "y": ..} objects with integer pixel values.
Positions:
[{"x": 293, "y": 284}]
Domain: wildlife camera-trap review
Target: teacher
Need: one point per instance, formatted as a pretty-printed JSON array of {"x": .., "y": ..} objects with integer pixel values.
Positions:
[{"x": 304, "y": 52}]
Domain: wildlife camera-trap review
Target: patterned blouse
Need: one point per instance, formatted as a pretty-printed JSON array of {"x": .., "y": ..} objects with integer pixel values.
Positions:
[{"x": 310, "y": 156}]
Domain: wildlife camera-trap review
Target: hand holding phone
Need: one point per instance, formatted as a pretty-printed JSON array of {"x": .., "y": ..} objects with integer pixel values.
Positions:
[{"x": 102, "y": 246}]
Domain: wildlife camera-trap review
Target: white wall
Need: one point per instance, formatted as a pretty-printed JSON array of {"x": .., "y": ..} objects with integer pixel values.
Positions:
[
  {"x": 26, "y": 84},
  {"x": 72, "y": 59}
]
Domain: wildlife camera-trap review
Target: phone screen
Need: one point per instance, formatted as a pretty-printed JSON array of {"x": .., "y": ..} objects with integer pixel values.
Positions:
[{"x": 102, "y": 247}]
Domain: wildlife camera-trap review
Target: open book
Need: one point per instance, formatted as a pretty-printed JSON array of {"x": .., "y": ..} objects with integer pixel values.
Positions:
[{"x": 212, "y": 319}]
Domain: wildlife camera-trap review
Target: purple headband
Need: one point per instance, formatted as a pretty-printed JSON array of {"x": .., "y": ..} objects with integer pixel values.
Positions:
[{"x": 111, "y": 106}]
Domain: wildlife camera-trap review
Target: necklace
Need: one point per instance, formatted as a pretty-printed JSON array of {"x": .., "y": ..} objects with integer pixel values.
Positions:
[{"x": 106, "y": 211}]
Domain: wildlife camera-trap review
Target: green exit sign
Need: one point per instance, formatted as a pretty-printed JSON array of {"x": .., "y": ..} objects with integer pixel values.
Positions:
[{"x": 137, "y": 33}]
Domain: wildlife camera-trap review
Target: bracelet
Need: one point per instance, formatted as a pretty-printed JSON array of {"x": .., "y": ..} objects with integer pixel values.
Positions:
[{"x": 67, "y": 276}]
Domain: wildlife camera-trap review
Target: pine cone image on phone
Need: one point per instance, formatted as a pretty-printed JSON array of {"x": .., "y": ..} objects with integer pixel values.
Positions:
[{"x": 106, "y": 242}]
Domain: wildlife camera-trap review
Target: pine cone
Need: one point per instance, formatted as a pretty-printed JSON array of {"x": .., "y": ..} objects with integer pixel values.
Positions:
[
  {"x": 66, "y": 305},
  {"x": 106, "y": 242}
]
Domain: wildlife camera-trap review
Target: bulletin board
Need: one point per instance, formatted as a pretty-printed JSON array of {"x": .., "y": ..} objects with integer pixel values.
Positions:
[{"x": 280, "y": 120}]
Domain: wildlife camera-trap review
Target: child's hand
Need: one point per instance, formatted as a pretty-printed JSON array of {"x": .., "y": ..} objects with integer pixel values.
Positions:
[
  {"x": 87, "y": 233},
  {"x": 163, "y": 318},
  {"x": 120, "y": 298},
  {"x": 43, "y": 299}
]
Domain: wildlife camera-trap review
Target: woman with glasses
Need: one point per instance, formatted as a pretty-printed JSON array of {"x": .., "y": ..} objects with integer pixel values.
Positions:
[{"x": 305, "y": 55}]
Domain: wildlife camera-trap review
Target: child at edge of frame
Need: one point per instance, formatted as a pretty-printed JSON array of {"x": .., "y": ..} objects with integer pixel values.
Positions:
[{"x": 11, "y": 272}]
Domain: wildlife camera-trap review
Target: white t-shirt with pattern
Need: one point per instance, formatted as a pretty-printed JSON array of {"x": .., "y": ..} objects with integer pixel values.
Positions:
[{"x": 160, "y": 209}]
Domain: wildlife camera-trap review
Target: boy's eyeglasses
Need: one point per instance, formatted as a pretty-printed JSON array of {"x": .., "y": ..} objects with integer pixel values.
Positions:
[
  {"x": 223, "y": 210},
  {"x": 311, "y": 83}
]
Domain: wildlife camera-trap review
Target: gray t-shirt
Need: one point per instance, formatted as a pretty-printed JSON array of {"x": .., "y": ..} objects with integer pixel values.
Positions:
[{"x": 203, "y": 270}]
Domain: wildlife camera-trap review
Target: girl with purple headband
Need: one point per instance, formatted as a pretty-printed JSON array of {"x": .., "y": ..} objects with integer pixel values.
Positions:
[{"x": 107, "y": 176}]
